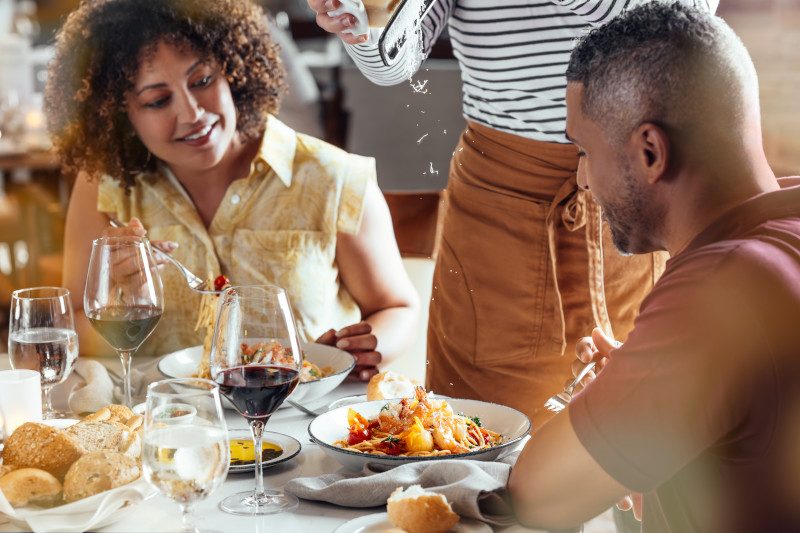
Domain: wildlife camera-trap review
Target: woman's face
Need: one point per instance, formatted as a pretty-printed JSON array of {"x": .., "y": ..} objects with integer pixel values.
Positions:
[{"x": 182, "y": 109}]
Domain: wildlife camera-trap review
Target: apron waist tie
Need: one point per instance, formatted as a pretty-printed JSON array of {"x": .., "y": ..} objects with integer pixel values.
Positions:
[{"x": 579, "y": 211}]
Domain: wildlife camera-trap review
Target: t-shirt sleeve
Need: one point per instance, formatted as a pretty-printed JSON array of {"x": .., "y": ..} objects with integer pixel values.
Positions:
[
  {"x": 679, "y": 384},
  {"x": 358, "y": 173}
]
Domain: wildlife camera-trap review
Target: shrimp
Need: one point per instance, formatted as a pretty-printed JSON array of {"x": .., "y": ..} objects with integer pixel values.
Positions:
[
  {"x": 390, "y": 419},
  {"x": 447, "y": 434}
]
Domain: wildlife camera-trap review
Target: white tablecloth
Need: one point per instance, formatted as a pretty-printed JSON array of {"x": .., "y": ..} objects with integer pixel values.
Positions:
[{"x": 159, "y": 514}]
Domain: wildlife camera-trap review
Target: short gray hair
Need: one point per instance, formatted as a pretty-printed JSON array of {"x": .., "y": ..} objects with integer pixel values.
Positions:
[{"x": 665, "y": 63}]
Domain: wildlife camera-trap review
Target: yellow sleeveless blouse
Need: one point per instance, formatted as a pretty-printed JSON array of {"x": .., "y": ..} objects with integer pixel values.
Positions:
[{"x": 277, "y": 226}]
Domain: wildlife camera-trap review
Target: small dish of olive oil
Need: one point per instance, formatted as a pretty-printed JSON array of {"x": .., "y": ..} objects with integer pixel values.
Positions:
[{"x": 276, "y": 448}]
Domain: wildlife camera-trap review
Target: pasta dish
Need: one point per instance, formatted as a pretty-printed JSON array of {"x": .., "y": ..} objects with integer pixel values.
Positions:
[
  {"x": 417, "y": 427},
  {"x": 263, "y": 352}
]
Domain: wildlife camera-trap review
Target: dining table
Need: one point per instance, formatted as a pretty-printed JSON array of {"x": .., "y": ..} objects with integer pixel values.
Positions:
[{"x": 159, "y": 514}]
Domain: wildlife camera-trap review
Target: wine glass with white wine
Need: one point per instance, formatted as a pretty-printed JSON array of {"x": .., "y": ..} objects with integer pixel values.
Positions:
[{"x": 124, "y": 298}]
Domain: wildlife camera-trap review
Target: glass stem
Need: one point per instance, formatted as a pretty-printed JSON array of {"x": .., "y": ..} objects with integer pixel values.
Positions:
[
  {"x": 126, "y": 357},
  {"x": 257, "y": 430},
  {"x": 48, "y": 402},
  {"x": 187, "y": 518}
]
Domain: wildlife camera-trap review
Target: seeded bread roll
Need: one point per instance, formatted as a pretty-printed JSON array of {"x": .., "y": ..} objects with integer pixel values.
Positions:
[
  {"x": 418, "y": 511},
  {"x": 97, "y": 472},
  {"x": 30, "y": 485},
  {"x": 34, "y": 445},
  {"x": 98, "y": 436}
]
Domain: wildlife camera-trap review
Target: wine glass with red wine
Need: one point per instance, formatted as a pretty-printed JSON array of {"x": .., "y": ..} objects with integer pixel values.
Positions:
[
  {"x": 124, "y": 298},
  {"x": 255, "y": 360}
]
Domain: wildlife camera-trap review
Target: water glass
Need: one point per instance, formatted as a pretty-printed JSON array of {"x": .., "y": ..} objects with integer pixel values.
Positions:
[
  {"x": 186, "y": 451},
  {"x": 42, "y": 337}
]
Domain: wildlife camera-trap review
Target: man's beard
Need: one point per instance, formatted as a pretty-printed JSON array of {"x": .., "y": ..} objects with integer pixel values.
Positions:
[{"x": 632, "y": 220}]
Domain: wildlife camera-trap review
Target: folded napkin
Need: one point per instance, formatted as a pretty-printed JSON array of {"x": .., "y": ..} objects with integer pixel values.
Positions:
[
  {"x": 475, "y": 489},
  {"x": 83, "y": 515},
  {"x": 99, "y": 389}
]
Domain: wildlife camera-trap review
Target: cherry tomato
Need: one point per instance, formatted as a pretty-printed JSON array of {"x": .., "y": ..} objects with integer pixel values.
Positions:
[{"x": 220, "y": 282}]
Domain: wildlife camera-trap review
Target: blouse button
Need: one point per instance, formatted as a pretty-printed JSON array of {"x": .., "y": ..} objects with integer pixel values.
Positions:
[
  {"x": 260, "y": 166},
  {"x": 235, "y": 199}
]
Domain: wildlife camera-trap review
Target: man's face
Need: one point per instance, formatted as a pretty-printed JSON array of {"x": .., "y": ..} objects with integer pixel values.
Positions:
[{"x": 605, "y": 169}]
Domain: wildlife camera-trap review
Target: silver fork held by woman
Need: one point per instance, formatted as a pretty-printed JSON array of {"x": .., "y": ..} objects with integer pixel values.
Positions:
[
  {"x": 558, "y": 402},
  {"x": 194, "y": 282}
]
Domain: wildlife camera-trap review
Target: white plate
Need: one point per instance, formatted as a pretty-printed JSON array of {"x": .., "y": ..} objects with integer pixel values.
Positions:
[
  {"x": 332, "y": 426},
  {"x": 289, "y": 445},
  {"x": 361, "y": 398},
  {"x": 184, "y": 363},
  {"x": 379, "y": 522}
]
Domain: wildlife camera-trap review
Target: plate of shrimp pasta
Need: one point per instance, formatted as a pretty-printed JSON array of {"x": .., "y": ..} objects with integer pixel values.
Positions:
[{"x": 388, "y": 433}]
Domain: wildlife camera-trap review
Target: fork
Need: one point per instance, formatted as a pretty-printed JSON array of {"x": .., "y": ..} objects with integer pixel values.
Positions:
[
  {"x": 194, "y": 282},
  {"x": 558, "y": 402}
]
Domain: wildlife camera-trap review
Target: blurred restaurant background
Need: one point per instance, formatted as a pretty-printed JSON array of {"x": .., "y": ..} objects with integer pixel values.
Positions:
[{"x": 411, "y": 129}]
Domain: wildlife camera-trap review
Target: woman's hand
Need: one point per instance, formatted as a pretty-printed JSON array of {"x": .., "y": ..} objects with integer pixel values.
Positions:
[
  {"x": 359, "y": 341},
  {"x": 136, "y": 229},
  {"x": 596, "y": 348},
  {"x": 335, "y": 25}
]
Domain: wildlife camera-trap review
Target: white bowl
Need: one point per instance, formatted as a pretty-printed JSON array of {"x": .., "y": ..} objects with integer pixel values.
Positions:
[
  {"x": 329, "y": 427},
  {"x": 184, "y": 363}
]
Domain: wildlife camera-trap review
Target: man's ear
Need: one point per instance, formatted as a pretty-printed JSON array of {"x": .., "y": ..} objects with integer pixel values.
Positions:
[{"x": 651, "y": 150}]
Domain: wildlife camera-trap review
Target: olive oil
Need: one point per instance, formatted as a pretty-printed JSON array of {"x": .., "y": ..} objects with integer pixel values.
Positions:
[{"x": 242, "y": 452}]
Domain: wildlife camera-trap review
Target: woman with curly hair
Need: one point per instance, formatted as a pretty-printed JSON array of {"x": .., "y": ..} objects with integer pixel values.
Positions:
[{"x": 164, "y": 111}]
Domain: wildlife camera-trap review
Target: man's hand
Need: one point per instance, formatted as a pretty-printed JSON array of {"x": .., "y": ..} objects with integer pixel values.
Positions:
[
  {"x": 596, "y": 348},
  {"x": 359, "y": 341},
  {"x": 335, "y": 25}
]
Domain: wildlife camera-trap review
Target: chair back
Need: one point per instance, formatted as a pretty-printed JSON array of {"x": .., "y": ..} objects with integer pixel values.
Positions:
[{"x": 417, "y": 219}]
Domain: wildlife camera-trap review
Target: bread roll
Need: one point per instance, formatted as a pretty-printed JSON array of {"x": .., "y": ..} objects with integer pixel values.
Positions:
[
  {"x": 389, "y": 385},
  {"x": 30, "y": 485},
  {"x": 99, "y": 471},
  {"x": 34, "y": 445},
  {"x": 98, "y": 436},
  {"x": 111, "y": 413},
  {"x": 419, "y": 511}
]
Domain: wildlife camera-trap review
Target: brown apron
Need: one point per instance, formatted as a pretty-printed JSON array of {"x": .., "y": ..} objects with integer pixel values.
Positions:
[{"x": 525, "y": 269}]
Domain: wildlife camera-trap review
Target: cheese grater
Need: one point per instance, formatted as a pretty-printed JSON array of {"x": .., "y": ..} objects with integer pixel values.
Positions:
[{"x": 403, "y": 23}]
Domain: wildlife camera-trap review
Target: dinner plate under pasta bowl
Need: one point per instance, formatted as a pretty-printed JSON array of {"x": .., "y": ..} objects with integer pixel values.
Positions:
[
  {"x": 332, "y": 426},
  {"x": 184, "y": 363}
]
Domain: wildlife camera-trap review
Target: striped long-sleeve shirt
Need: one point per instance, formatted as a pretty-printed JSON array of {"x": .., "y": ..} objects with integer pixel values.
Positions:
[{"x": 513, "y": 57}]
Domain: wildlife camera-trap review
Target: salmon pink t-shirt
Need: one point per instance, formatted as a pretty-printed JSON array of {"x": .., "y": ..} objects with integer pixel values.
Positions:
[{"x": 700, "y": 409}]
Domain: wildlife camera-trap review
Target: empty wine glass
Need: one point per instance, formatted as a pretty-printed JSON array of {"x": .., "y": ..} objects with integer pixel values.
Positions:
[
  {"x": 186, "y": 453},
  {"x": 255, "y": 360},
  {"x": 42, "y": 337},
  {"x": 124, "y": 298}
]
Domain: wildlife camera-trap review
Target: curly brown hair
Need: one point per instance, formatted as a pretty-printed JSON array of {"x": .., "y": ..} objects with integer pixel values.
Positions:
[{"x": 98, "y": 53}]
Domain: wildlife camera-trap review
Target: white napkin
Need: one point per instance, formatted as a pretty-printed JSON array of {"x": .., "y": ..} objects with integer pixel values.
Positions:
[
  {"x": 475, "y": 489},
  {"x": 86, "y": 514},
  {"x": 97, "y": 390}
]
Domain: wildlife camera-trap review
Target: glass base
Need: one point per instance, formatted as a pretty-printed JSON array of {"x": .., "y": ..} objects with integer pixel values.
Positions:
[
  {"x": 55, "y": 415},
  {"x": 244, "y": 503}
]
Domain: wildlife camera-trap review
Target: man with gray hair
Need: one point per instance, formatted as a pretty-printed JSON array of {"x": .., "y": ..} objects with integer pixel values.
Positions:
[{"x": 700, "y": 408}]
